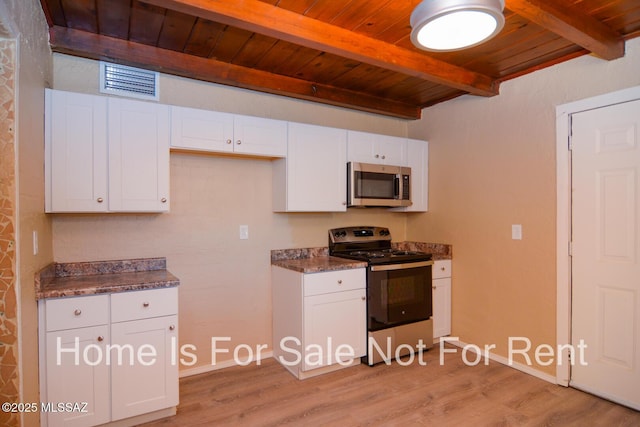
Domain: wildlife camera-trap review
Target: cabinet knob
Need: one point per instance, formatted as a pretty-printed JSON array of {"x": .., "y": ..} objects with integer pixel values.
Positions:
[
  {"x": 100, "y": 200},
  {"x": 172, "y": 327},
  {"x": 163, "y": 200},
  {"x": 100, "y": 338},
  {"x": 433, "y": 287},
  {"x": 238, "y": 142},
  {"x": 363, "y": 298},
  {"x": 344, "y": 203},
  {"x": 339, "y": 282},
  {"x": 145, "y": 304},
  {"x": 377, "y": 156},
  {"x": 442, "y": 268},
  {"x": 77, "y": 312},
  {"x": 228, "y": 141},
  {"x": 384, "y": 157}
]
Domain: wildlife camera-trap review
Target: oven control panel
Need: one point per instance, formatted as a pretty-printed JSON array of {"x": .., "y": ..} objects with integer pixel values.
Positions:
[{"x": 359, "y": 234}]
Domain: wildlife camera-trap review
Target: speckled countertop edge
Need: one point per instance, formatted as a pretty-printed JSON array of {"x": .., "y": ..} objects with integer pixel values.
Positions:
[
  {"x": 96, "y": 277},
  {"x": 315, "y": 260}
]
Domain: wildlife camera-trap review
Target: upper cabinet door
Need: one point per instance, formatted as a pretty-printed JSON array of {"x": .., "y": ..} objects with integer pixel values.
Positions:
[
  {"x": 76, "y": 152},
  {"x": 201, "y": 130},
  {"x": 261, "y": 137},
  {"x": 378, "y": 149},
  {"x": 313, "y": 177},
  {"x": 138, "y": 156},
  {"x": 418, "y": 161}
]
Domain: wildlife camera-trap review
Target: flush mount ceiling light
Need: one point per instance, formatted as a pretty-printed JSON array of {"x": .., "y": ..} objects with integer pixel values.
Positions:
[{"x": 446, "y": 25}]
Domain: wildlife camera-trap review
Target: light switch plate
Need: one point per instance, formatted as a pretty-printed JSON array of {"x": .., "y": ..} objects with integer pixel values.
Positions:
[
  {"x": 244, "y": 232},
  {"x": 516, "y": 231}
]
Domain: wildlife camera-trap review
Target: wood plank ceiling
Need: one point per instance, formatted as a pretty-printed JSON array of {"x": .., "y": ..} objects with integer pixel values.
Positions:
[{"x": 352, "y": 53}]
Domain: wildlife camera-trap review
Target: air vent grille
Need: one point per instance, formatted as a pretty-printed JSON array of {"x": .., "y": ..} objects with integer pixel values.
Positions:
[{"x": 128, "y": 81}]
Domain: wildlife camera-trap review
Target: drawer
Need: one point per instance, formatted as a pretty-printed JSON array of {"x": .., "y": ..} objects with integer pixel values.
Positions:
[
  {"x": 135, "y": 305},
  {"x": 441, "y": 268},
  {"x": 76, "y": 312},
  {"x": 334, "y": 281}
]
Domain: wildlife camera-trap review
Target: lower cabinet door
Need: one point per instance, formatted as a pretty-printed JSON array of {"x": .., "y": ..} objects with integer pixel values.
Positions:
[
  {"x": 144, "y": 372},
  {"x": 77, "y": 374},
  {"x": 441, "y": 307},
  {"x": 335, "y": 328}
]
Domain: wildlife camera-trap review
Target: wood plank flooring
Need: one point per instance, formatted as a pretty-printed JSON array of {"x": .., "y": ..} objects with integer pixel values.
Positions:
[{"x": 451, "y": 394}]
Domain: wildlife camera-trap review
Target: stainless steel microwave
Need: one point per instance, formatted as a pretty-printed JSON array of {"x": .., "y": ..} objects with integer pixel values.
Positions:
[{"x": 370, "y": 185}]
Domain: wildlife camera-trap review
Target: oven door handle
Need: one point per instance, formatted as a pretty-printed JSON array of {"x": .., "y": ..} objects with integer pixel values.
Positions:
[{"x": 403, "y": 266}]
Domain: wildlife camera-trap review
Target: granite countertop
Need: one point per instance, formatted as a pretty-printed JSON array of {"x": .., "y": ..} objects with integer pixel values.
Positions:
[
  {"x": 315, "y": 260},
  {"x": 311, "y": 260},
  {"x": 98, "y": 277}
]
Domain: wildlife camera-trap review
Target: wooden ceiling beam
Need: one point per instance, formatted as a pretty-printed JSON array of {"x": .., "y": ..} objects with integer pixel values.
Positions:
[
  {"x": 93, "y": 46},
  {"x": 571, "y": 24},
  {"x": 273, "y": 21}
]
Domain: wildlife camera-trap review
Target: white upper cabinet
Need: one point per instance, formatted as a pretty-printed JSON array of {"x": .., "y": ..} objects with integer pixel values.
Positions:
[
  {"x": 418, "y": 161},
  {"x": 105, "y": 154},
  {"x": 367, "y": 147},
  {"x": 76, "y": 152},
  {"x": 211, "y": 131},
  {"x": 258, "y": 136},
  {"x": 312, "y": 178},
  {"x": 138, "y": 156},
  {"x": 201, "y": 130}
]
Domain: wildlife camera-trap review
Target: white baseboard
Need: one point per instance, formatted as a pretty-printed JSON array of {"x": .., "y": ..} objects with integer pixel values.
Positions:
[
  {"x": 505, "y": 361},
  {"x": 203, "y": 369}
]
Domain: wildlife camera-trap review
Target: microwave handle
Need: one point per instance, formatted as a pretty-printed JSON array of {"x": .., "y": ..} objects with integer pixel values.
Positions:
[{"x": 396, "y": 187}]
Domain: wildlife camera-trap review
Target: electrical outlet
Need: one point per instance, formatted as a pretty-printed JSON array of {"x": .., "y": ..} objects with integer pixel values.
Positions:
[
  {"x": 516, "y": 231},
  {"x": 244, "y": 232}
]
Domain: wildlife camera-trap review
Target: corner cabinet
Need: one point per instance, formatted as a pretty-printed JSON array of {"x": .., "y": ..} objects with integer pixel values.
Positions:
[
  {"x": 105, "y": 154},
  {"x": 319, "y": 320},
  {"x": 211, "y": 131},
  {"x": 115, "y": 352},
  {"x": 313, "y": 176},
  {"x": 441, "y": 298}
]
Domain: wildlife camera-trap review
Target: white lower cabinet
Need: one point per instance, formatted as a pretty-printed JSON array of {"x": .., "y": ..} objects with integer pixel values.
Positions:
[
  {"x": 319, "y": 320},
  {"x": 115, "y": 370},
  {"x": 68, "y": 382},
  {"x": 441, "y": 298}
]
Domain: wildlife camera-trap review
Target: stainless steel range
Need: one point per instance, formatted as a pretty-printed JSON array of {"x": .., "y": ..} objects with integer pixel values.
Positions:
[{"x": 399, "y": 304}]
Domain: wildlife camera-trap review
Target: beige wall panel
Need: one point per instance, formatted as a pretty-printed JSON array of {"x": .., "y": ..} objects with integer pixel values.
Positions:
[{"x": 492, "y": 164}]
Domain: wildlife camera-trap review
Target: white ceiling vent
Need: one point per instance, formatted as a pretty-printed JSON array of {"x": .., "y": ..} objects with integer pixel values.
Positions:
[{"x": 128, "y": 81}]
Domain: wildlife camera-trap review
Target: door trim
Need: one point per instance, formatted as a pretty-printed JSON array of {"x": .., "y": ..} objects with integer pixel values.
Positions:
[{"x": 563, "y": 212}]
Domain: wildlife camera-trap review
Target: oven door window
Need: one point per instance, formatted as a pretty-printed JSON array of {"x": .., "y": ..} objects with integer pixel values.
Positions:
[
  {"x": 398, "y": 296},
  {"x": 373, "y": 185}
]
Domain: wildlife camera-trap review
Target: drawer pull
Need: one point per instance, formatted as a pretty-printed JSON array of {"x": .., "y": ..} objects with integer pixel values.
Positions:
[
  {"x": 100, "y": 200},
  {"x": 100, "y": 338},
  {"x": 339, "y": 282},
  {"x": 163, "y": 200},
  {"x": 363, "y": 298},
  {"x": 442, "y": 268},
  {"x": 172, "y": 327},
  {"x": 145, "y": 304},
  {"x": 228, "y": 141},
  {"x": 77, "y": 312}
]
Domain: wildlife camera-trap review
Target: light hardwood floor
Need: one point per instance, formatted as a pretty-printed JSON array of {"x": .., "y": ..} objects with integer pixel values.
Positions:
[{"x": 451, "y": 394}]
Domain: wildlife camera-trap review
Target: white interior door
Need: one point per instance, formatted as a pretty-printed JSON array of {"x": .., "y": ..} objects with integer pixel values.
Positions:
[{"x": 605, "y": 268}]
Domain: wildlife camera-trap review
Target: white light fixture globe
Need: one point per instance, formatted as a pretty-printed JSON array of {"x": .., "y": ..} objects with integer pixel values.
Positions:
[{"x": 447, "y": 25}]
